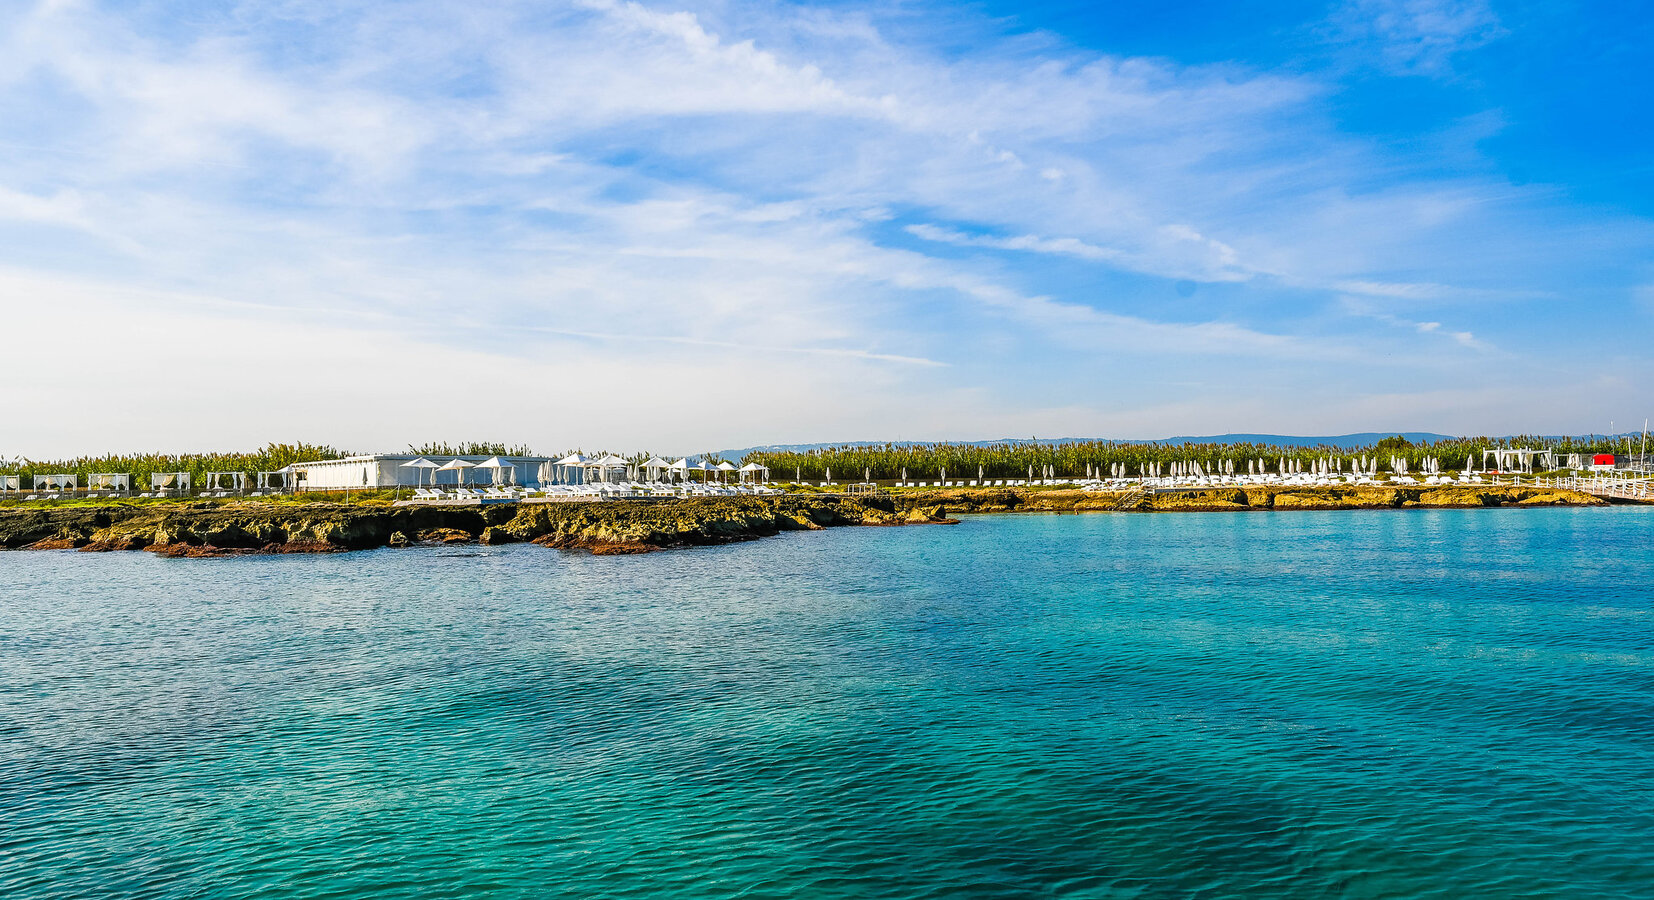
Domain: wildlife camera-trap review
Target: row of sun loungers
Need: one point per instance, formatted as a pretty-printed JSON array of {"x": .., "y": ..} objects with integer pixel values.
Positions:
[
  {"x": 613, "y": 491},
  {"x": 1304, "y": 480}
]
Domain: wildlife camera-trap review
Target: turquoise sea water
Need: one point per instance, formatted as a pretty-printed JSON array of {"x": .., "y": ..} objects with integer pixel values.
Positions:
[{"x": 1395, "y": 704}]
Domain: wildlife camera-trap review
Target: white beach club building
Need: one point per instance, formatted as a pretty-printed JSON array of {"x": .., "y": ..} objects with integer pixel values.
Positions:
[{"x": 393, "y": 470}]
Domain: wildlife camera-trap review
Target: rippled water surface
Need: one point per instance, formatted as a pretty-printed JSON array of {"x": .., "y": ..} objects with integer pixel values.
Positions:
[{"x": 1425, "y": 703}]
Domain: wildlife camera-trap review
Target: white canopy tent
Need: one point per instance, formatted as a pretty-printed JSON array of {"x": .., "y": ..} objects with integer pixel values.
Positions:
[
  {"x": 273, "y": 481},
  {"x": 725, "y": 467},
  {"x": 109, "y": 481},
  {"x": 11, "y": 483},
  {"x": 61, "y": 482},
  {"x": 225, "y": 481},
  {"x": 750, "y": 472},
  {"x": 170, "y": 482},
  {"x": 655, "y": 469}
]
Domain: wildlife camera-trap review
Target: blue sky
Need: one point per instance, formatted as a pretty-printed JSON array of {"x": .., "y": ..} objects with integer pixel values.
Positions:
[{"x": 680, "y": 226}]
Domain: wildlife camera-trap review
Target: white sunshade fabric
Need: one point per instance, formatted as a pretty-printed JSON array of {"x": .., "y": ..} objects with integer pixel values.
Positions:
[
  {"x": 573, "y": 459},
  {"x": 656, "y": 462},
  {"x": 725, "y": 467},
  {"x": 612, "y": 460},
  {"x": 754, "y": 467},
  {"x": 498, "y": 465},
  {"x": 420, "y": 463},
  {"x": 457, "y": 466}
]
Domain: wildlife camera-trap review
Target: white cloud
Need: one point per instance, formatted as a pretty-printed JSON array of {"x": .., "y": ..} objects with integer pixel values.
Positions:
[
  {"x": 655, "y": 196},
  {"x": 1420, "y": 35},
  {"x": 1028, "y": 242}
]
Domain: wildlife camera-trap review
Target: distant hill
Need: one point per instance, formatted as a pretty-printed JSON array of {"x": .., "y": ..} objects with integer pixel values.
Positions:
[{"x": 1342, "y": 441}]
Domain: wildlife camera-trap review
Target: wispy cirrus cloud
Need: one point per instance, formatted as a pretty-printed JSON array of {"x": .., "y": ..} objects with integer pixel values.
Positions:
[
  {"x": 736, "y": 189},
  {"x": 1419, "y": 36}
]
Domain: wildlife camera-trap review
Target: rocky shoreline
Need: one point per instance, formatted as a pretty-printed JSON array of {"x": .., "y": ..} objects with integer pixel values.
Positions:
[
  {"x": 206, "y": 529},
  {"x": 220, "y": 529},
  {"x": 1260, "y": 497}
]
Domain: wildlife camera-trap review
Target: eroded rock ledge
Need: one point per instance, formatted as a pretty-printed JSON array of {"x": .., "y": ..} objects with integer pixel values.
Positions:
[
  {"x": 601, "y": 527},
  {"x": 205, "y": 529},
  {"x": 1252, "y": 498}
]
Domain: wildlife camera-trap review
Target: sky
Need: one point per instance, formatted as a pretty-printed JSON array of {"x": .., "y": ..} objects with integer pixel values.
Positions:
[{"x": 681, "y": 226}]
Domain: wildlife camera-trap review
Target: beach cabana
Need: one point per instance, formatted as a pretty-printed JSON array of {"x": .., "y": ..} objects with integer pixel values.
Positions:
[
  {"x": 750, "y": 472},
  {"x": 61, "y": 482},
  {"x": 655, "y": 469},
  {"x": 225, "y": 481},
  {"x": 458, "y": 467},
  {"x": 271, "y": 481},
  {"x": 109, "y": 481},
  {"x": 725, "y": 467},
  {"x": 11, "y": 483},
  {"x": 170, "y": 482}
]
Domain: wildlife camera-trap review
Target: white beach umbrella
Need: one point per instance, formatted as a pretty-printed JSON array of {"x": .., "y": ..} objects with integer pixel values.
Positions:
[
  {"x": 685, "y": 467},
  {"x": 418, "y": 465},
  {"x": 572, "y": 461},
  {"x": 458, "y": 466},
  {"x": 495, "y": 463}
]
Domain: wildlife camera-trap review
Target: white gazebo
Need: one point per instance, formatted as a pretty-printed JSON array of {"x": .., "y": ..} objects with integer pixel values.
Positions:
[
  {"x": 751, "y": 472},
  {"x": 11, "y": 483},
  {"x": 1518, "y": 459},
  {"x": 170, "y": 482},
  {"x": 725, "y": 466},
  {"x": 225, "y": 481},
  {"x": 655, "y": 469},
  {"x": 61, "y": 482},
  {"x": 115, "y": 482},
  {"x": 272, "y": 481}
]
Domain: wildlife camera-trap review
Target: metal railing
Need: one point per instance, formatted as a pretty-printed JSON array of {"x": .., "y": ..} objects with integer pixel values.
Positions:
[{"x": 1604, "y": 484}]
